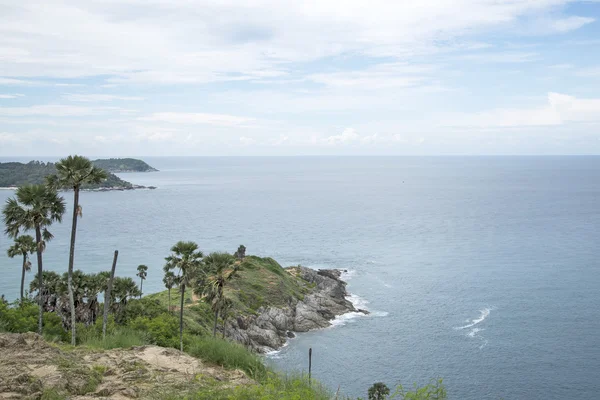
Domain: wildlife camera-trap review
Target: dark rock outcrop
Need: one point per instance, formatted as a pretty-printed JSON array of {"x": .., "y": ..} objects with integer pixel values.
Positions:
[{"x": 270, "y": 329}]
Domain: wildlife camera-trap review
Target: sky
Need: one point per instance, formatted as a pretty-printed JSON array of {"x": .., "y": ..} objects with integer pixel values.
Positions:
[{"x": 313, "y": 77}]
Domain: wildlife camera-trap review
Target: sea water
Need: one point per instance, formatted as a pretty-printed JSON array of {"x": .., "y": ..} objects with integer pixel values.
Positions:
[{"x": 484, "y": 271}]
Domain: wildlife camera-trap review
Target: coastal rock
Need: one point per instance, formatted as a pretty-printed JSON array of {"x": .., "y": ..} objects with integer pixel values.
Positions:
[{"x": 272, "y": 326}]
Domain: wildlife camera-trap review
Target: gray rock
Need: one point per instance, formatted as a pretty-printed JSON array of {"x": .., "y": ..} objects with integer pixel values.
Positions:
[{"x": 270, "y": 329}]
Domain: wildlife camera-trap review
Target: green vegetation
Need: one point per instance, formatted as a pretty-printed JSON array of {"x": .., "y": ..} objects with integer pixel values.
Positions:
[
  {"x": 14, "y": 174},
  {"x": 34, "y": 207},
  {"x": 117, "y": 165}
]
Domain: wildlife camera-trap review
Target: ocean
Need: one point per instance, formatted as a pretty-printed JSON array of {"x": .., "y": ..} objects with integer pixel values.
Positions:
[{"x": 483, "y": 271}]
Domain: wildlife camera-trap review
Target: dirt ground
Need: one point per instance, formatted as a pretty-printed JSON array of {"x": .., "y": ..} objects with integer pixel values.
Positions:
[{"x": 30, "y": 366}]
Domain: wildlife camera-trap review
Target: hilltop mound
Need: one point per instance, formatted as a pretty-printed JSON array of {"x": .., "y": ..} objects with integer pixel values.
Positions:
[{"x": 32, "y": 368}]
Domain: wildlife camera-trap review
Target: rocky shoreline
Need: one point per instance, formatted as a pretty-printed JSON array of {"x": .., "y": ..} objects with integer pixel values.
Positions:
[{"x": 271, "y": 328}]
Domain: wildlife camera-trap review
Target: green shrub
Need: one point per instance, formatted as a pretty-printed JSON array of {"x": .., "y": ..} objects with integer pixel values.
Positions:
[
  {"x": 144, "y": 307},
  {"x": 162, "y": 330},
  {"x": 379, "y": 391},
  {"x": 21, "y": 318}
]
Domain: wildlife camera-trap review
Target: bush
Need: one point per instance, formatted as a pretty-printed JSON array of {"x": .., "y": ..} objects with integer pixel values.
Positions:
[
  {"x": 379, "y": 391},
  {"x": 227, "y": 354},
  {"x": 162, "y": 330},
  {"x": 21, "y": 318},
  {"x": 144, "y": 307}
]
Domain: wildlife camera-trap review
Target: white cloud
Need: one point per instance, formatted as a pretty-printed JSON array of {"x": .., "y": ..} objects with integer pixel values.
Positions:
[
  {"x": 198, "y": 118},
  {"x": 205, "y": 40},
  {"x": 349, "y": 135},
  {"x": 589, "y": 72},
  {"x": 8, "y": 138},
  {"x": 54, "y": 111},
  {"x": 246, "y": 141},
  {"x": 10, "y": 96},
  {"x": 570, "y": 23},
  {"x": 99, "y": 97},
  {"x": 502, "y": 57},
  {"x": 560, "y": 109}
]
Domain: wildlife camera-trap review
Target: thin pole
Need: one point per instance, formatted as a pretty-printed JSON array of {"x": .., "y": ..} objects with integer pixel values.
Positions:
[
  {"x": 107, "y": 294},
  {"x": 309, "y": 364}
]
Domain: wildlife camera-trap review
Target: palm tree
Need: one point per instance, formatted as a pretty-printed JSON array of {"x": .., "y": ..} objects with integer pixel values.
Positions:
[
  {"x": 123, "y": 290},
  {"x": 169, "y": 280},
  {"x": 72, "y": 172},
  {"x": 187, "y": 259},
  {"x": 24, "y": 245},
  {"x": 222, "y": 267},
  {"x": 34, "y": 207},
  {"x": 142, "y": 274},
  {"x": 54, "y": 288},
  {"x": 240, "y": 253}
]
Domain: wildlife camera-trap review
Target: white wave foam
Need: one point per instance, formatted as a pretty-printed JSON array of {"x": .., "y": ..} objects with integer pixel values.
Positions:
[
  {"x": 277, "y": 353},
  {"x": 474, "y": 332},
  {"x": 359, "y": 303},
  {"x": 347, "y": 275},
  {"x": 482, "y": 316}
]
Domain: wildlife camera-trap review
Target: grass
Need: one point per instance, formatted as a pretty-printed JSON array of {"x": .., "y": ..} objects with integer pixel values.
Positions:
[
  {"x": 52, "y": 394},
  {"x": 276, "y": 387},
  {"x": 118, "y": 338},
  {"x": 227, "y": 355}
]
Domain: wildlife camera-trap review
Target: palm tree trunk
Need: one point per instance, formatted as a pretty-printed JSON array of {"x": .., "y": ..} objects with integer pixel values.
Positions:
[
  {"x": 215, "y": 327},
  {"x": 169, "y": 302},
  {"x": 107, "y": 294},
  {"x": 224, "y": 328},
  {"x": 38, "y": 240},
  {"x": 23, "y": 275},
  {"x": 181, "y": 318},
  {"x": 71, "y": 261},
  {"x": 141, "y": 287}
]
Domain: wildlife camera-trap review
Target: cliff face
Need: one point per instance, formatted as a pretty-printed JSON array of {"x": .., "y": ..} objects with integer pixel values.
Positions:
[{"x": 271, "y": 328}]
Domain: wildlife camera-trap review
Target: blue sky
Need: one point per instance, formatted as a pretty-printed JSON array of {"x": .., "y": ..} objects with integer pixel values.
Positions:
[{"x": 191, "y": 77}]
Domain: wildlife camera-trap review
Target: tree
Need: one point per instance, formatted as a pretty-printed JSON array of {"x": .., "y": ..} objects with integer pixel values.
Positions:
[
  {"x": 187, "y": 259},
  {"x": 23, "y": 246},
  {"x": 379, "y": 391},
  {"x": 123, "y": 290},
  {"x": 169, "y": 280},
  {"x": 34, "y": 207},
  {"x": 142, "y": 274},
  {"x": 240, "y": 253},
  {"x": 222, "y": 268},
  {"x": 73, "y": 172}
]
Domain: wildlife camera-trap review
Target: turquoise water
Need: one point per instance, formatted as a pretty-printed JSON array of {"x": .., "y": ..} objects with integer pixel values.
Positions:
[{"x": 481, "y": 270}]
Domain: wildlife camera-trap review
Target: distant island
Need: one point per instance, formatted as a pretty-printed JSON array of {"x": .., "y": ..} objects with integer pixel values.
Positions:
[
  {"x": 14, "y": 174},
  {"x": 120, "y": 165}
]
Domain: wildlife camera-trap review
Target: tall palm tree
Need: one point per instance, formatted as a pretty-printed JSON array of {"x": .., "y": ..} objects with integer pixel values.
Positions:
[
  {"x": 34, "y": 207},
  {"x": 222, "y": 268},
  {"x": 169, "y": 280},
  {"x": 72, "y": 172},
  {"x": 24, "y": 246},
  {"x": 187, "y": 259},
  {"x": 142, "y": 274}
]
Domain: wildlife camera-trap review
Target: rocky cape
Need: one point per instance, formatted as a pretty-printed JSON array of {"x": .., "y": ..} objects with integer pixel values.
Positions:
[{"x": 273, "y": 326}]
